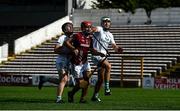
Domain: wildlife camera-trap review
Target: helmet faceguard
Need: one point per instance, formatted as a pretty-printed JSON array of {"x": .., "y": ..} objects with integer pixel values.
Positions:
[{"x": 86, "y": 27}]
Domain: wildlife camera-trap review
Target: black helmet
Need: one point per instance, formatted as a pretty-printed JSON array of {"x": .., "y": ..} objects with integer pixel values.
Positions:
[{"x": 67, "y": 28}]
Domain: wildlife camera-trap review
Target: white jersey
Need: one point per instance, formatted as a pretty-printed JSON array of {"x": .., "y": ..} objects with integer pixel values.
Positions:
[
  {"x": 61, "y": 41},
  {"x": 105, "y": 37},
  {"x": 64, "y": 49}
]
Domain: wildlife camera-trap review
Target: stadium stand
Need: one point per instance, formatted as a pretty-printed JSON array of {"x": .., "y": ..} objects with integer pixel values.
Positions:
[{"x": 158, "y": 45}]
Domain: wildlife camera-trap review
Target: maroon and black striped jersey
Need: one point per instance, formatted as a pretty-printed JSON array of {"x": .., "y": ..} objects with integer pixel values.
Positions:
[{"x": 83, "y": 44}]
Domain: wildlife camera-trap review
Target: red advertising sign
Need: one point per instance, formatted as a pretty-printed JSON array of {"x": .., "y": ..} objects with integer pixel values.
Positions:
[
  {"x": 15, "y": 80},
  {"x": 167, "y": 83}
]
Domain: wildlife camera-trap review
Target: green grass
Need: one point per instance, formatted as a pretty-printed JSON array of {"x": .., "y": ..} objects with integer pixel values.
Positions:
[{"x": 30, "y": 98}]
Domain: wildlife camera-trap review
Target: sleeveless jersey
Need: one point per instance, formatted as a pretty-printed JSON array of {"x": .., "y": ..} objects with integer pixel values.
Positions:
[{"x": 82, "y": 43}]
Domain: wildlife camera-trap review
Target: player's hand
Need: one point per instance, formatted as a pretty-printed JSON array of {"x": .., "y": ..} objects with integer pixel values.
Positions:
[
  {"x": 76, "y": 52},
  {"x": 119, "y": 50}
]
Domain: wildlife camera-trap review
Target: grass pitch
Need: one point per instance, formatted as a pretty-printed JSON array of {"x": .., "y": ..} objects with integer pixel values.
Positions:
[{"x": 30, "y": 98}]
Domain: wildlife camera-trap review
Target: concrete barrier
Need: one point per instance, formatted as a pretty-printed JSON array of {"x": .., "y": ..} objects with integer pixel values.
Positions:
[
  {"x": 39, "y": 36},
  {"x": 3, "y": 52}
]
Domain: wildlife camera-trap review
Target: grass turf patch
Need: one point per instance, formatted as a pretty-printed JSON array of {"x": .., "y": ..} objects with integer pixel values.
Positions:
[{"x": 30, "y": 98}]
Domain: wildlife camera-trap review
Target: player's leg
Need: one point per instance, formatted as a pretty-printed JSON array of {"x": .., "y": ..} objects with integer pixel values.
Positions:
[
  {"x": 61, "y": 65},
  {"x": 107, "y": 66},
  {"x": 63, "y": 78},
  {"x": 83, "y": 94},
  {"x": 98, "y": 85},
  {"x": 73, "y": 91},
  {"x": 101, "y": 70},
  {"x": 44, "y": 79},
  {"x": 76, "y": 72},
  {"x": 41, "y": 82},
  {"x": 62, "y": 68},
  {"x": 84, "y": 83}
]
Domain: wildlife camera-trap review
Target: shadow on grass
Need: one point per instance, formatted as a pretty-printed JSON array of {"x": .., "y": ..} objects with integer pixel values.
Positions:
[{"x": 27, "y": 100}]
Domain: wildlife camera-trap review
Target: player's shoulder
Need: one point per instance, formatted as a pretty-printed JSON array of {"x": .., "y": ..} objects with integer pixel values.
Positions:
[
  {"x": 62, "y": 36},
  {"x": 77, "y": 34},
  {"x": 99, "y": 28},
  {"x": 110, "y": 33}
]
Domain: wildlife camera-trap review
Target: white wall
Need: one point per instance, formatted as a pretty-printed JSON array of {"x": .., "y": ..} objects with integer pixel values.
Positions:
[
  {"x": 39, "y": 36},
  {"x": 3, "y": 52}
]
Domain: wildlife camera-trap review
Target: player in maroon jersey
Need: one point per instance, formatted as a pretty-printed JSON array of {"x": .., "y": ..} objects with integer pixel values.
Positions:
[{"x": 80, "y": 44}]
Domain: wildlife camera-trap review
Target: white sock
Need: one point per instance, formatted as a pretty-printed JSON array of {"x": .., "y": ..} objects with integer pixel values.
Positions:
[
  {"x": 106, "y": 85},
  {"x": 59, "y": 97},
  {"x": 97, "y": 95}
]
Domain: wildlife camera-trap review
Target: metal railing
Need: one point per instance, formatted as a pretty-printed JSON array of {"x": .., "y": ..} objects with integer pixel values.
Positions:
[{"x": 141, "y": 68}]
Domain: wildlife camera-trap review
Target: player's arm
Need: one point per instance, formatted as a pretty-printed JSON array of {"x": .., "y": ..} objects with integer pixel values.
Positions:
[
  {"x": 117, "y": 48},
  {"x": 68, "y": 43},
  {"x": 95, "y": 29},
  {"x": 58, "y": 46},
  {"x": 57, "y": 49}
]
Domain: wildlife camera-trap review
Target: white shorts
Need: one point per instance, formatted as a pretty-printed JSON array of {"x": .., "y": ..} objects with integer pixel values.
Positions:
[
  {"x": 62, "y": 64},
  {"x": 97, "y": 59},
  {"x": 78, "y": 70}
]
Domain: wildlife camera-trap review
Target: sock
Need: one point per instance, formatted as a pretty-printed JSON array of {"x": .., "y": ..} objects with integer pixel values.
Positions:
[
  {"x": 96, "y": 95},
  {"x": 59, "y": 97},
  {"x": 106, "y": 85}
]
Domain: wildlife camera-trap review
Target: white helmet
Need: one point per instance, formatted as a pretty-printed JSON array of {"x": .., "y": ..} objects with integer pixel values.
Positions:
[{"x": 105, "y": 19}]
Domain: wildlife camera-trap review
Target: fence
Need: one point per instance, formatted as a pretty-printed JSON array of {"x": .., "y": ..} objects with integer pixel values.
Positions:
[{"x": 132, "y": 76}]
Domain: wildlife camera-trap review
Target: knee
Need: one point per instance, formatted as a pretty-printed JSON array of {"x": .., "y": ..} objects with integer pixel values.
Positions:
[
  {"x": 108, "y": 66},
  {"x": 87, "y": 75},
  {"x": 64, "y": 79},
  {"x": 83, "y": 83}
]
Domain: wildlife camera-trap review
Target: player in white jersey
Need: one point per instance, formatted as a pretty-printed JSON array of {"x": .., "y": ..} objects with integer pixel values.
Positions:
[
  {"x": 62, "y": 62},
  {"x": 101, "y": 41}
]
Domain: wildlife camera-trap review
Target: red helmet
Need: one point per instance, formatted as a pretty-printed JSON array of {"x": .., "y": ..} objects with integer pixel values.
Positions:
[
  {"x": 86, "y": 27},
  {"x": 85, "y": 24}
]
